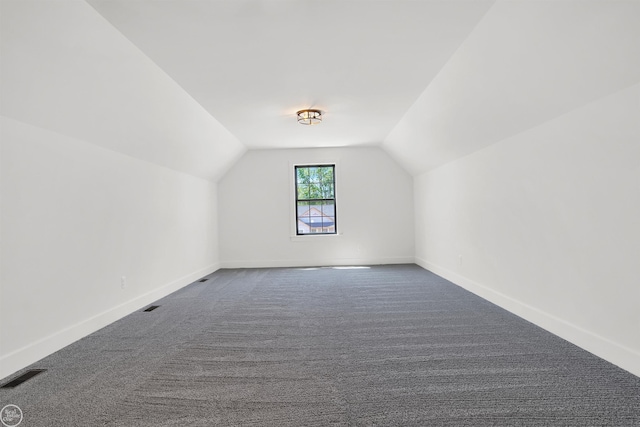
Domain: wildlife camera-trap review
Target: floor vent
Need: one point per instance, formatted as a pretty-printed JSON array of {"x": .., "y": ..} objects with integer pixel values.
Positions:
[
  {"x": 203, "y": 280},
  {"x": 22, "y": 378},
  {"x": 151, "y": 308}
]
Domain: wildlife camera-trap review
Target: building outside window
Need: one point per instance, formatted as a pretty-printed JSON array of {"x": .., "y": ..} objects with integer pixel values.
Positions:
[{"x": 315, "y": 199}]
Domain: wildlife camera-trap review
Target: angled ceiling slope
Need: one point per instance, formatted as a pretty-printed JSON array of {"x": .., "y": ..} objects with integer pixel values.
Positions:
[
  {"x": 253, "y": 63},
  {"x": 525, "y": 63},
  {"x": 191, "y": 84},
  {"x": 66, "y": 69}
]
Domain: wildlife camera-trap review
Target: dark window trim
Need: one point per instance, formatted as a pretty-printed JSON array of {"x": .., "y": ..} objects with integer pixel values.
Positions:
[{"x": 335, "y": 208}]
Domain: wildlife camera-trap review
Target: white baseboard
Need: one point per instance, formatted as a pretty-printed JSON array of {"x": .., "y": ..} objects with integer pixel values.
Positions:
[
  {"x": 315, "y": 262},
  {"x": 608, "y": 350},
  {"x": 25, "y": 356}
]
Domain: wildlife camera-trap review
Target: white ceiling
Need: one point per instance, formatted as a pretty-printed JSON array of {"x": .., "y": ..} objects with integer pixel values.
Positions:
[
  {"x": 253, "y": 64},
  {"x": 65, "y": 68},
  {"x": 525, "y": 63},
  {"x": 192, "y": 84}
]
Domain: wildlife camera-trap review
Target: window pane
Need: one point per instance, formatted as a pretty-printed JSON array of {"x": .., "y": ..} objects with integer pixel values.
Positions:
[
  {"x": 304, "y": 192},
  {"x": 327, "y": 191},
  {"x": 303, "y": 217},
  {"x": 326, "y": 174},
  {"x": 327, "y": 182},
  {"x": 328, "y": 209},
  {"x": 303, "y": 208},
  {"x": 316, "y": 191},
  {"x": 313, "y": 175}
]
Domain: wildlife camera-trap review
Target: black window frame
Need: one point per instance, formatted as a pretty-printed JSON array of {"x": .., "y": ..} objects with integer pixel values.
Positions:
[{"x": 320, "y": 200}]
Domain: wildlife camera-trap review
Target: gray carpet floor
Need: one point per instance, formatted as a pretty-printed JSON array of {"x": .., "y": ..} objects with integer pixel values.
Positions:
[{"x": 386, "y": 345}]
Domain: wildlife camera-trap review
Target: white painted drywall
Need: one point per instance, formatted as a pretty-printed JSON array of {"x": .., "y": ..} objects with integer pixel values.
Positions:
[
  {"x": 547, "y": 224},
  {"x": 67, "y": 69},
  {"x": 76, "y": 218},
  {"x": 374, "y": 209},
  {"x": 526, "y": 62},
  {"x": 362, "y": 63}
]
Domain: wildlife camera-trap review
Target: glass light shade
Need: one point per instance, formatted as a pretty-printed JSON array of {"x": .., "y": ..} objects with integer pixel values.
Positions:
[{"x": 309, "y": 117}]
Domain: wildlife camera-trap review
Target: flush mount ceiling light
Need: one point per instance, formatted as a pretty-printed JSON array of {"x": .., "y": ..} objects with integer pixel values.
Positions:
[{"x": 309, "y": 117}]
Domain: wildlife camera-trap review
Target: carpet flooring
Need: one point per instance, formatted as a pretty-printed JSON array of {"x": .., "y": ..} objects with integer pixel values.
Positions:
[{"x": 385, "y": 345}]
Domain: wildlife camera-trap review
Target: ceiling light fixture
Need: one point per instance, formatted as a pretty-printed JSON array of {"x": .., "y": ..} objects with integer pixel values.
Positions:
[{"x": 309, "y": 117}]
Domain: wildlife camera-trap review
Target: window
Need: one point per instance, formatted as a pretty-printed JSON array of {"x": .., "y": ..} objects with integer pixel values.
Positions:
[{"x": 315, "y": 199}]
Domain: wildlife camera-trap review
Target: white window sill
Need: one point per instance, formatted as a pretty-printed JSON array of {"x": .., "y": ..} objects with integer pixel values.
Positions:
[{"x": 307, "y": 237}]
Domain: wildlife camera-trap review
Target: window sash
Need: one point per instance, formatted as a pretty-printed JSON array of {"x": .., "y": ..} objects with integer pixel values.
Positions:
[{"x": 315, "y": 189}]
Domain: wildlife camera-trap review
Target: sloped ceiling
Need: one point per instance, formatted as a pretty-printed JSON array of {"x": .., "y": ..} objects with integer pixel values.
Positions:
[
  {"x": 66, "y": 69},
  {"x": 191, "y": 84},
  {"x": 253, "y": 64},
  {"x": 525, "y": 63}
]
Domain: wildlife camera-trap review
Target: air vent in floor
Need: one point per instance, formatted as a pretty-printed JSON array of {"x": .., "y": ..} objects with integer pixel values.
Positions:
[
  {"x": 22, "y": 378},
  {"x": 151, "y": 308}
]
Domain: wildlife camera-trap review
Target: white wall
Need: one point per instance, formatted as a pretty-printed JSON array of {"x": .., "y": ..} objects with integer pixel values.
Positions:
[
  {"x": 526, "y": 62},
  {"x": 75, "y": 219},
  {"x": 374, "y": 209},
  {"x": 100, "y": 154},
  {"x": 547, "y": 224},
  {"x": 66, "y": 68}
]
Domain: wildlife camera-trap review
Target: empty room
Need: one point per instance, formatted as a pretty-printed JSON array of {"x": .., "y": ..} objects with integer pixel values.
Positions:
[{"x": 311, "y": 213}]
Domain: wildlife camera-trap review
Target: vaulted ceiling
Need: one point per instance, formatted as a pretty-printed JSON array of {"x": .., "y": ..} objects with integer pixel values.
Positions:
[
  {"x": 192, "y": 84},
  {"x": 253, "y": 64}
]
